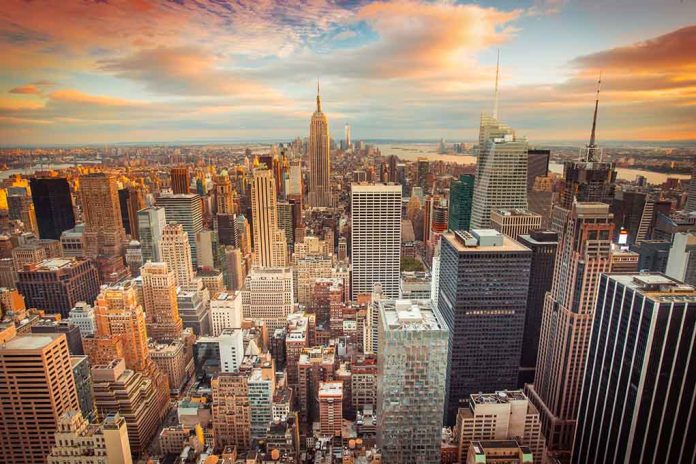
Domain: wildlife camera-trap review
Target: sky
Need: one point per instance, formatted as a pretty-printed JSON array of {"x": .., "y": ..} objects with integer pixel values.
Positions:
[{"x": 83, "y": 72}]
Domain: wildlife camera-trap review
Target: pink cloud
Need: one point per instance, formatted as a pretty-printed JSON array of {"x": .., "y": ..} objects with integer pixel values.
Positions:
[{"x": 29, "y": 89}]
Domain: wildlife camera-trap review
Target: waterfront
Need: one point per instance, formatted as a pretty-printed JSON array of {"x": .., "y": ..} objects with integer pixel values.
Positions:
[{"x": 411, "y": 152}]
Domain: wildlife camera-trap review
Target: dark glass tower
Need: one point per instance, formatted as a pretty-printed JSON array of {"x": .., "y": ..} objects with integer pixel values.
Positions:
[
  {"x": 484, "y": 281},
  {"x": 638, "y": 401},
  {"x": 53, "y": 206},
  {"x": 461, "y": 194},
  {"x": 543, "y": 244},
  {"x": 537, "y": 165}
]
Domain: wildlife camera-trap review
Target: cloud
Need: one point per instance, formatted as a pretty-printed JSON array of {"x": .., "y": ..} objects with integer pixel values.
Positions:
[
  {"x": 665, "y": 52},
  {"x": 29, "y": 89}
]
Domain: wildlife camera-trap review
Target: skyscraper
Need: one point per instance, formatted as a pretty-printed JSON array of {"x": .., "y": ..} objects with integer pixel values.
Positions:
[
  {"x": 484, "y": 281},
  {"x": 151, "y": 222},
  {"x": 36, "y": 388},
  {"x": 268, "y": 296},
  {"x": 131, "y": 201},
  {"x": 411, "y": 378},
  {"x": 514, "y": 222},
  {"x": 637, "y": 401},
  {"x": 175, "y": 248},
  {"x": 270, "y": 243},
  {"x": 691, "y": 199},
  {"x": 104, "y": 236},
  {"x": 187, "y": 210},
  {"x": 375, "y": 238},
  {"x": 537, "y": 165},
  {"x": 180, "y": 180},
  {"x": 681, "y": 263},
  {"x": 78, "y": 441},
  {"x": 501, "y": 171},
  {"x": 460, "y": 198},
  {"x": 20, "y": 207},
  {"x": 543, "y": 244},
  {"x": 159, "y": 300},
  {"x": 319, "y": 159},
  {"x": 584, "y": 252},
  {"x": 53, "y": 206},
  {"x": 224, "y": 195},
  {"x": 501, "y": 168}
]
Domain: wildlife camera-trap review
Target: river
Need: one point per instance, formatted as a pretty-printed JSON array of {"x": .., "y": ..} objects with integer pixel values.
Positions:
[{"x": 411, "y": 152}]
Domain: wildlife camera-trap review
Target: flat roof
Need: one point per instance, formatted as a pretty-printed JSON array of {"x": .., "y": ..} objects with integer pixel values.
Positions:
[
  {"x": 508, "y": 244},
  {"x": 30, "y": 342}
]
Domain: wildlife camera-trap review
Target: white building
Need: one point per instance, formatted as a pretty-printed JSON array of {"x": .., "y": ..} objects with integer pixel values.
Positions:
[
  {"x": 82, "y": 315},
  {"x": 151, "y": 222},
  {"x": 231, "y": 343},
  {"x": 376, "y": 238},
  {"x": 185, "y": 209},
  {"x": 226, "y": 312},
  {"x": 501, "y": 172},
  {"x": 268, "y": 296},
  {"x": 681, "y": 264}
]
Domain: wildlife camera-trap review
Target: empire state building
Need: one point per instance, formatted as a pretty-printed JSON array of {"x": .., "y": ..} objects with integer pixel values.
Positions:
[{"x": 319, "y": 162}]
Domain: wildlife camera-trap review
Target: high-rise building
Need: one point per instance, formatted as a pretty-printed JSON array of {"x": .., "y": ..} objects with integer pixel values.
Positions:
[
  {"x": 691, "y": 192},
  {"x": 118, "y": 313},
  {"x": 79, "y": 442},
  {"x": 151, "y": 222},
  {"x": 224, "y": 195},
  {"x": 180, "y": 180},
  {"x": 501, "y": 171},
  {"x": 20, "y": 207},
  {"x": 514, "y": 222},
  {"x": 82, "y": 373},
  {"x": 131, "y": 201},
  {"x": 375, "y": 238},
  {"x": 652, "y": 255},
  {"x": 104, "y": 233},
  {"x": 460, "y": 198},
  {"x": 537, "y": 165},
  {"x": 226, "y": 312},
  {"x": 270, "y": 243},
  {"x": 637, "y": 399},
  {"x": 543, "y": 244},
  {"x": 346, "y": 140},
  {"x": 160, "y": 302},
  {"x": 142, "y": 401},
  {"x": 503, "y": 415},
  {"x": 82, "y": 316},
  {"x": 319, "y": 156},
  {"x": 175, "y": 248},
  {"x": 231, "y": 411},
  {"x": 422, "y": 171},
  {"x": 484, "y": 282},
  {"x": 56, "y": 285},
  {"x": 53, "y": 205},
  {"x": 36, "y": 388},
  {"x": 681, "y": 264},
  {"x": 268, "y": 296},
  {"x": 411, "y": 382},
  {"x": 187, "y": 210},
  {"x": 584, "y": 252},
  {"x": 330, "y": 396}
]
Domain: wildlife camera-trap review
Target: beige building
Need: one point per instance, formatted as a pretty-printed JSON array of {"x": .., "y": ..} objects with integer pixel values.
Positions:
[
  {"x": 311, "y": 260},
  {"x": 134, "y": 396},
  {"x": 175, "y": 249},
  {"x": 36, "y": 387},
  {"x": 270, "y": 244},
  {"x": 515, "y": 221},
  {"x": 504, "y": 415},
  {"x": 319, "y": 161},
  {"x": 268, "y": 296},
  {"x": 79, "y": 442},
  {"x": 231, "y": 411},
  {"x": 160, "y": 302},
  {"x": 175, "y": 360},
  {"x": 499, "y": 452}
]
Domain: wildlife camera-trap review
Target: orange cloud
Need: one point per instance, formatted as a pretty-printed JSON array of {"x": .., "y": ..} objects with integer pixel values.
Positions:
[{"x": 26, "y": 90}]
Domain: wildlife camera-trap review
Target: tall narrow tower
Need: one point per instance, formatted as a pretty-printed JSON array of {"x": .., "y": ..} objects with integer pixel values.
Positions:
[
  {"x": 584, "y": 253},
  {"x": 270, "y": 245},
  {"x": 501, "y": 168},
  {"x": 319, "y": 159}
]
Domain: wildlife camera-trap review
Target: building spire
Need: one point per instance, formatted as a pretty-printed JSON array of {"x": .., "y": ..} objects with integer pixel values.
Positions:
[
  {"x": 318, "y": 97},
  {"x": 592, "y": 147},
  {"x": 495, "y": 96}
]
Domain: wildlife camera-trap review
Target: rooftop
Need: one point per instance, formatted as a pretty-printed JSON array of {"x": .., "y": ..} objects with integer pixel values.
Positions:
[
  {"x": 30, "y": 342},
  {"x": 482, "y": 240},
  {"x": 409, "y": 315},
  {"x": 656, "y": 286}
]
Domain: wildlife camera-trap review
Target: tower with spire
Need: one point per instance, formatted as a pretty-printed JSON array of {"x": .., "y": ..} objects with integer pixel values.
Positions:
[
  {"x": 319, "y": 159},
  {"x": 501, "y": 168},
  {"x": 588, "y": 178}
]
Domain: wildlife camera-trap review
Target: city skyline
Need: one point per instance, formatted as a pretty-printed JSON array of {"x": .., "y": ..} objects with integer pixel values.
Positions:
[{"x": 147, "y": 71}]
